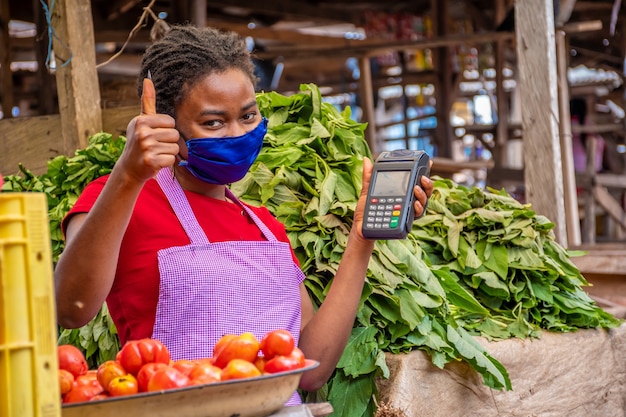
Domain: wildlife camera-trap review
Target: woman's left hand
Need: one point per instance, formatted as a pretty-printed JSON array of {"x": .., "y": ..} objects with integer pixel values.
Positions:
[{"x": 422, "y": 194}]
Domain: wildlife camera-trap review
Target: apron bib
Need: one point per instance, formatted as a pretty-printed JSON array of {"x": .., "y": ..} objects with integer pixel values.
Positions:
[{"x": 209, "y": 289}]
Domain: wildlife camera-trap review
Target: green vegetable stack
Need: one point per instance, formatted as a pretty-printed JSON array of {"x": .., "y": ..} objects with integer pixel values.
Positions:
[{"x": 478, "y": 263}]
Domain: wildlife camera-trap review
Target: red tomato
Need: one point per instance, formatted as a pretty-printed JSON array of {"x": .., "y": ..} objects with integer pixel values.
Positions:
[
  {"x": 245, "y": 347},
  {"x": 109, "y": 370},
  {"x": 239, "y": 368},
  {"x": 223, "y": 341},
  {"x": 280, "y": 363},
  {"x": 136, "y": 353},
  {"x": 123, "y": 385},
  {"x": 66, "y": 381},
  {"x": 204, "y": 370},
  {"x": 146, "y": 372},
  {"x": 203, "y": 380},
  {"x": 277, "y": 342},
  {"x": 167, "y": 378},
  {"x": 80, "y": 393},
  {"x": 102, "y": 396},
  {"x": 72, "y": 359},
  {"x": 90, "y": 378},
  {"x": 184, "y": 365}
]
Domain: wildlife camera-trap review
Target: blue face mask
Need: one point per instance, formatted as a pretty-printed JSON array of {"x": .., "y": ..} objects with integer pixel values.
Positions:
[{"x": 224, "y": 160}]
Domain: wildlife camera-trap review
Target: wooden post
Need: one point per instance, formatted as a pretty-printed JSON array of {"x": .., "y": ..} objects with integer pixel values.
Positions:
[
  {"x": 569, "y": 177},
  {"x": 367, "y": 103},
  {"x": 6, "y": 75},
  {"x": 443, "y": 90},
  {"x": 543, "y": 174},
  {"x": 199, "y": 12},
  {"x": 46, "y": 88},
  {"x": 76, "y": 75}
]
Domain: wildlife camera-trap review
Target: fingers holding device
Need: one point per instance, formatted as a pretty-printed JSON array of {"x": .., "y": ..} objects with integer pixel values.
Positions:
[{"x": 390, "y": 204}]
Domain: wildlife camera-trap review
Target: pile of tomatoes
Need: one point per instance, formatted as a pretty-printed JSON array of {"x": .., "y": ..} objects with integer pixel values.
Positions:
[{"x": 145, "y": 365}]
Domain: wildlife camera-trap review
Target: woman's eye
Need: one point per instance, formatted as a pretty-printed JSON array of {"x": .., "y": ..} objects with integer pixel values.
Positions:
[
  {"x": 249, "y": 116},
  {"x": 212, "y": 123}
]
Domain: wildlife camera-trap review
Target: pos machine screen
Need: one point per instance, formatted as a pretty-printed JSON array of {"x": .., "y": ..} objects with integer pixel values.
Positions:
[{"x": 391, "y": 183}]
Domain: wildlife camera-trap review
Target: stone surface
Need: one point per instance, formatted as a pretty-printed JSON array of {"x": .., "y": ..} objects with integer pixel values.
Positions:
[{"x": 579, "y": 374}]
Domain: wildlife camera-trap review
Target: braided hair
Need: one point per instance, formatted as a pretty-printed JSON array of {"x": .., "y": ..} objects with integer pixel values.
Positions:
[{"x": 187, "y": 54}]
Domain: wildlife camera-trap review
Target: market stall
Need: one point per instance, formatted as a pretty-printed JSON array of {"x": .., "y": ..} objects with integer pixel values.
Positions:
[{"x": 413, "y": 382}]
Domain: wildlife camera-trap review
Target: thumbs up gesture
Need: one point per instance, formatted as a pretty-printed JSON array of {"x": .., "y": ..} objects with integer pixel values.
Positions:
[{"x": 151, "y": 139}]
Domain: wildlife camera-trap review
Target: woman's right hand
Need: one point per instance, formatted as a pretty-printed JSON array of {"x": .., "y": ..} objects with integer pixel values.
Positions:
[{"x": 151, "y": 141}]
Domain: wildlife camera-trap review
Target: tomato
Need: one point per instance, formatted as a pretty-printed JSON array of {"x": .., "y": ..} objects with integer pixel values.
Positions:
[
  {"x": 102, "y": 396},
  {"x": 123, "y": 385},
  {"x": 136, "y": 353},
  {"x": 167, "y": 378},
  {"x": 146, "y": 372},
  {"x": 72, "y": 359},
  {"x": 204, "y": 370},
  {"x": 109, "y": 370},
  {"x": 245, "y": 346},
  {"x": 184, "y": 365},
  {"x": 260, "y": 362},
  {"x": 66, "y": 380},
  {"x": 277, "y": 342},
  {"x": 82, "y": 392},
  {"x": 89, "y": 378},
  {"x": 203, "y": 380},
  {"x": 281, "y": 363},
  {"x": 223, "y": 341},
  {"x": 239, "y": 368}
]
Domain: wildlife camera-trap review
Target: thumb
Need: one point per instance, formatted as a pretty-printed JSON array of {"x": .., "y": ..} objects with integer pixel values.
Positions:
[
  {"x": 367, "y": 174},
  {"x": 148, "y": 97}
]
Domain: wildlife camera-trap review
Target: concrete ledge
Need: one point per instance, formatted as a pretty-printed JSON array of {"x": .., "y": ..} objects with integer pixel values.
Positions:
[{"x": 578, "y": 374}]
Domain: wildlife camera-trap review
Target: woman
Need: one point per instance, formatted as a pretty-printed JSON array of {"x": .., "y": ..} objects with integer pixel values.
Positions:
[{"x": 173, "y": 252}]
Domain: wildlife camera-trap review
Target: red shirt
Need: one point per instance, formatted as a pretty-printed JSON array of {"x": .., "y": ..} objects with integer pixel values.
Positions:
[{"x": 153, "y": 226}]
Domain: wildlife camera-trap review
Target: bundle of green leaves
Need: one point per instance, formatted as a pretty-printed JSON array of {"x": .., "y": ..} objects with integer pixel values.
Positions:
[{"x": 478, "y": 263}]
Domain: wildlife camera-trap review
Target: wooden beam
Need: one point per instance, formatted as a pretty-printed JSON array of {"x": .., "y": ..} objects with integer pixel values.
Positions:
[
  {"x": 293, "y": 10},
  {"x": 6, "y": 74},
  {"x": 76, "y": 75},
  {"x": 46, "y": 87},
  {"x": 119, "y": 7},
  {"x": 367, "y": 104},
  {"x": 572, "y": 218},
  {"x": 534, "y": 28},
  {"x": 443, "y": 89},
  {"x": 585, "y": 26},
  {"x": 610, "y": 205},
  {"x": 566, "y": 7},
  {"x": 199, "y": 13}
]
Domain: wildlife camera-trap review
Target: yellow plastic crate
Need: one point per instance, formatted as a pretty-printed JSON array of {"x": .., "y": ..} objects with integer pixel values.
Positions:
[{"x": 28, "y": 354}]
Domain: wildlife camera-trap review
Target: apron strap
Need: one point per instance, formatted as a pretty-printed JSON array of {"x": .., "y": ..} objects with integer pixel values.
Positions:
[
  {"x": 176, "y": 196},
  {"x": 264, "y": 229}
]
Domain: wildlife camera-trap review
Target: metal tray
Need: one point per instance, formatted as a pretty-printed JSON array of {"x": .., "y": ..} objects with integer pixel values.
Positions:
[{"x": 250, "y": 397}]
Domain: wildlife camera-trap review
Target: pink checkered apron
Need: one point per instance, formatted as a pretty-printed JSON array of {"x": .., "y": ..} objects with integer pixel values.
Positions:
[{"x": 209, "y": 289}]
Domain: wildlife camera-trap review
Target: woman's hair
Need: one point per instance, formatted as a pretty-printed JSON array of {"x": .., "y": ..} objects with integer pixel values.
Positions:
[{"x": 187, "y": 54}]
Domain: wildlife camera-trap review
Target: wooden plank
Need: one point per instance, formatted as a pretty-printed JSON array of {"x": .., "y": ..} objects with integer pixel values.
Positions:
[
  {"x": 17, "y": 144},
  {"x": 76, "y": 75},
  {"x": 31, "y": 141},
  {"x": 610, "y": 205},
  {"x": 536, "y": 52}
]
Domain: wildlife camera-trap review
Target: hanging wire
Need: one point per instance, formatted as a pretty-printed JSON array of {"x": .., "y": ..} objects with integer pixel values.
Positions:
[
  {"x": 52, "y": 34},
  {"x": 159, "y": 25}
]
